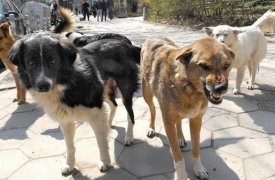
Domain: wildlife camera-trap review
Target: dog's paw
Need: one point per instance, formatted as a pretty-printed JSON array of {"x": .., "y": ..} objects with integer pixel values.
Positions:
[
  {"x": 103, "y": 167},
  {"x": 182, "y": 143},
  {"x": 150, "y": 133},
  {"x": 199, "y": 170},
  {"x": 21, "y": 102},
  {"x": 128, "y": 141},
  {"x": 67, "y": 169},
  {"x": 250, "y": 87},
  {"x": 15, "y": 99},
  {"x": 236, "y": 91}
]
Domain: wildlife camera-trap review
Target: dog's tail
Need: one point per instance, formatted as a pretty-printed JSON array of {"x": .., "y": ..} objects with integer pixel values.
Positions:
[
  {"x": 67, "y": 21},
  {"x": 136, "y": 52},
  {"x": 266, "y": 22}
]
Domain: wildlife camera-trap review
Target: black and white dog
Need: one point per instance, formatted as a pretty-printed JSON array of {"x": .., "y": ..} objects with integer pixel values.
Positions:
[
  {"x": 72, "y": 84},
  {"x": 117, "y": 61},
  {"x": 68, "y": 86}
]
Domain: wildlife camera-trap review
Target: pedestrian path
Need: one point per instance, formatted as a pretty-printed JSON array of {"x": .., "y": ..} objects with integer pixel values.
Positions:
[{"x": 237, "y": 138}]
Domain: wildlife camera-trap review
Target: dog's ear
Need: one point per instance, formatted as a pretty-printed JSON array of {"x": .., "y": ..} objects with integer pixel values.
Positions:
[
  {"x": 69, "y": 51},
  {"x": 16, "y": 54},
  {"x": 208, "y": 30},
  {"x": 185, "y": 56},
  {"x": 232, "y": 54},
  {"x": 5, "y": 27},
  {"x": 238, "y": 31}
]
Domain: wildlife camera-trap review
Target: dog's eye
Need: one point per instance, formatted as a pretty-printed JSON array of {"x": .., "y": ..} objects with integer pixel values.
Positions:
[
  {"x": 226, "y": 66},
  {"x": 204, "y": 66},
  {"x": 53, "y": 62},
  {"x": 1, "y": 38},
  {"x": 217, "y": 35}
]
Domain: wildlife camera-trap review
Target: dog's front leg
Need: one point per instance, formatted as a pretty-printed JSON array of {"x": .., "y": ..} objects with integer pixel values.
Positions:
[
  {"x": 170, "y": 128},
  {"x": 239, "y": 78},
  {"x": 101, "y": 128},
  {"x": 68, "y": 130},
  {"x": 182, "y": 142},
  {"x": 195, "y": 128}
]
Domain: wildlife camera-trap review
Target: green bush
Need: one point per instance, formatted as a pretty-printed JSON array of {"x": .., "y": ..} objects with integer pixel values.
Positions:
[{"x": 208, "y": 12}]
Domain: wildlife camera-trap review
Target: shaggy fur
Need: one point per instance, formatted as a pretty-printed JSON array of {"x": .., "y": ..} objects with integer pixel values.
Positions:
[
  {"x": 7, "y": 40},
  {"x": 183, "y": 79},
  {"x": 248, "y": 44},
  {"x": 67, "y": 85},
  {"x": 80, "y": 40},
  {"x": 117, "y": 61}
]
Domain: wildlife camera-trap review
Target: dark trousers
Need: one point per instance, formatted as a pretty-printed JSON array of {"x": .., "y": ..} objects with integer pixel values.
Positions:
[{"x": 86, "y": 13}]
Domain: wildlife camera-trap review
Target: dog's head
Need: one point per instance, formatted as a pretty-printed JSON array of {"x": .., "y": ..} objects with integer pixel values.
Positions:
[
  {"x": 5, "y": 34},
  {"x": 223, "y": 33},
  {"x": 209, "y": 62},
  {"x": 43, "y": 60}
]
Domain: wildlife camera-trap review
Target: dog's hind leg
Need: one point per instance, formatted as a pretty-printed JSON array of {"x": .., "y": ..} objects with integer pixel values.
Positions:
[
  {"x": 195, "y": 128},
  {"x": 127, "y": 91},
  {"x": 239, "y": 78},
  {"x": 113, "y": 106},
  {"x": 99, "y": 124},
  {"x": 181, "y": 138},
  {"x": 68, "y": 130},
  {"x": 253, "y": 67},
  {"x": 128, "y": 103},
  {"x": 20, "y": 90},
  {"x": 148, "y": 97}
]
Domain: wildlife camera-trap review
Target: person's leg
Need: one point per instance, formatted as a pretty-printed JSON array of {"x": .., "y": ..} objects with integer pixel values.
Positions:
[{"x": 84, "y": 15}]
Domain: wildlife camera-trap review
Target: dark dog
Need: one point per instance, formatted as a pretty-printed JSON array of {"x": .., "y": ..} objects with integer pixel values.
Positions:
[
  {"x": 183, "y": 79},
  {"x": 116, "y": 59},
  {"x": 80, "y": 40}
]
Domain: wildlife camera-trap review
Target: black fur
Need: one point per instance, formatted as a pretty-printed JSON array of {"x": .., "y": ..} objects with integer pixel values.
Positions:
[
  {"x": 80, "y": 77},
  {"x": 103, "y": 59},
  {"x": 118, "y": 61},
  {"x": 84, "y": 40}
]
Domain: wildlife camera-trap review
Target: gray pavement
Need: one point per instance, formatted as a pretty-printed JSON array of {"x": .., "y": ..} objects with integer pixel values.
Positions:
[{"x": 237, "y": 138}]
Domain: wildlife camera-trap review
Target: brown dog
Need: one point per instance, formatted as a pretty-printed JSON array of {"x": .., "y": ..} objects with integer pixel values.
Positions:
[
  {"x": 183, "y": 79},
  {"x": 6, "y": 41}
]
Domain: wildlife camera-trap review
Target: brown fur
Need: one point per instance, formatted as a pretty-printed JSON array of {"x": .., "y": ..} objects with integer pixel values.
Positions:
[
  {"x": 175, "y": 77},
  {"x": 6, "y": 41}
]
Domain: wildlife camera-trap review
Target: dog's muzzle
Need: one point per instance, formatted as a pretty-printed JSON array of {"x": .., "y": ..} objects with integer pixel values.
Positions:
[
  {"x": 43, "y": 86},
  {"x": 214, "y": 92}
]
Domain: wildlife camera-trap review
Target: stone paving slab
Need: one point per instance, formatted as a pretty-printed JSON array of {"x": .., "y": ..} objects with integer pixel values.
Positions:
[{"x": 237, "y": 137}]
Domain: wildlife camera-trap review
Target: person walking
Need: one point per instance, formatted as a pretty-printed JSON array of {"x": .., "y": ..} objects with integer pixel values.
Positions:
[
  {"x": 85, "y": 10},
  {"x": 99, "y": 7},
  {"x": 110, "y": 6},
  {"x": 104, "y": 10},
  {"x": 76, "y": 10}
]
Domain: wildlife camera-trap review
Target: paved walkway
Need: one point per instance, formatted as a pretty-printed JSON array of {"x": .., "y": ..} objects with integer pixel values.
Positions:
[{"x": 237, "y": 137}]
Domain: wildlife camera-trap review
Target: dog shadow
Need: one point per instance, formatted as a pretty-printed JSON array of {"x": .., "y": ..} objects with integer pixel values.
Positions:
[
  {"x": 126, "y": 159},
  {"x": 264, "y": 101},
  {"x": 214, "y": 162},
  {"x": 19, "y": 122}
]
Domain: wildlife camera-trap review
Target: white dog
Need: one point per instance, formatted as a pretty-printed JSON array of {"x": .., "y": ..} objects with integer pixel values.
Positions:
[{"x": 248, "y": 44}]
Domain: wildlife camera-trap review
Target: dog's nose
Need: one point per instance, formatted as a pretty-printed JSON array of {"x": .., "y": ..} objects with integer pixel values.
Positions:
[
  {"x": 43, "y": 86},
  {"x": 220, "y": 88}
]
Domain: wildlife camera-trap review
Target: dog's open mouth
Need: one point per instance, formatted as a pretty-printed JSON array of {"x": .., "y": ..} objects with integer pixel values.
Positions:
[{"x": 214, "y": 92}]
